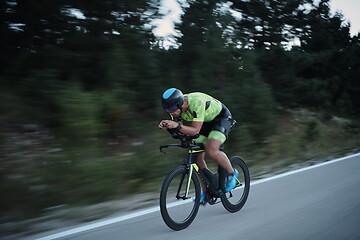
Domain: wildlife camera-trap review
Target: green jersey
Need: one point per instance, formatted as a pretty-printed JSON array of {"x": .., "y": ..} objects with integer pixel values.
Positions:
[{"x": 202, "y": 107}]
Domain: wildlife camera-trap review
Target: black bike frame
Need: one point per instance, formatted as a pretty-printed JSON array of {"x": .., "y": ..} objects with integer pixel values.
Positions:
[{"x": 214, "y": 182}]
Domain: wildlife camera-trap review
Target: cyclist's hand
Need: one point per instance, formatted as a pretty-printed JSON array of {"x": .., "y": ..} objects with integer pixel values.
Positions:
[
  {"x": 168, "y": 124},
  {"x": 163, "y": 125}
]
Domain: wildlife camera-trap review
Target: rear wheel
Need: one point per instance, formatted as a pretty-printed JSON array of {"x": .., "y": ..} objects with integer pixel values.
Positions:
[
  {"x": 179, "y": 209},
  {"x": 234, "y": 200}
]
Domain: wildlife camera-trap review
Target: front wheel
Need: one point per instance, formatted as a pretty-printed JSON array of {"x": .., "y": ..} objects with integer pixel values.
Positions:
[
  {"x": 234, "y": 200},
  {"x": 179, "y": 198}
]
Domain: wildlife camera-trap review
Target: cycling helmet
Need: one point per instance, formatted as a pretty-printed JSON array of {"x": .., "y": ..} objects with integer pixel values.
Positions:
[{"x": 172, "y": 99}]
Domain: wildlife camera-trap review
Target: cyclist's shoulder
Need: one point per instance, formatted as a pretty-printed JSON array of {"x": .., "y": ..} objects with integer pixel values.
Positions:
[
  {"x": 195, "y": 100},
  {"x": 198, "y": 96}
]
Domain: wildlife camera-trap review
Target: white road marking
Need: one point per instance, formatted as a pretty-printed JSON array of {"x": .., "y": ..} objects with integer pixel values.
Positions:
[
  {"x": 302, "y": 169},
  {"x": 155, "y": 209}
]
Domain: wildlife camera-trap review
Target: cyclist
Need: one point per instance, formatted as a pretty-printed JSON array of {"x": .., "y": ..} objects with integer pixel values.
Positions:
[{"x": 210, "y": 119}]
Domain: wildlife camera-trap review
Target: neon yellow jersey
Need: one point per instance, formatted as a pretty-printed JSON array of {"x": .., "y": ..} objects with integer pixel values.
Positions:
[{"x": 202, "y": 107}]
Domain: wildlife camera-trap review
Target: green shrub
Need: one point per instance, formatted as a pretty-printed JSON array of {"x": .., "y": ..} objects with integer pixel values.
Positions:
[
  {"x": 79, "y": 111},
  {"x": 311, "y": 131}
]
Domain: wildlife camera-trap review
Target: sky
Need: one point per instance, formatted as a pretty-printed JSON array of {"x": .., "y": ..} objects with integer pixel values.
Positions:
[
  {"x": 172, "y": 13},
  {"x": 351, "y": 11}
]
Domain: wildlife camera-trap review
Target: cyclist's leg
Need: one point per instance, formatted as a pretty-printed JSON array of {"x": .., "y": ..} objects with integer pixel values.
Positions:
[
  {"x": 220, "y": 131},
  {"x": 212, "y": 150},
  {"x": 202, "y": 164},
  {"x": 200, "y": 160}
]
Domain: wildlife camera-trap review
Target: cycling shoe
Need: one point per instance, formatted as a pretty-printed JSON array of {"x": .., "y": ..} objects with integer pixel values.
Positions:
[{"x": 231, "y": 181}]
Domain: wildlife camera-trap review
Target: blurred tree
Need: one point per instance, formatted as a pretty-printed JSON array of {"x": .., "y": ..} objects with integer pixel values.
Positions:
[
  {"x": 194, "y": 27},
  {"x": 330, "y": 47},
  {"x": 352, "y": 73},
  {"x": 71, "y": 38},
  {"x": 103, "y": 24},
  {"x": 79, "y": 115},
  {"x": 215, "y": 65},
  {"x": 251, "y": 100},
  {"x": 322, "y": 31},
  {"x": 212, "y": 62},
  {"x": 315, "y": 74},
  {"x": 264, "y": 24}
]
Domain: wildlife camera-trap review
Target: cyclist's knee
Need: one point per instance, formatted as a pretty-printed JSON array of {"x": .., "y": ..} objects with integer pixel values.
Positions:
[
  {"x": 212, "y": 150},
  {"x": 201, "y": 161}
]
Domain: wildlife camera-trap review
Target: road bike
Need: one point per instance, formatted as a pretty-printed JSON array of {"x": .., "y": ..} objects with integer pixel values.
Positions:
[{"x": 181, "y": 189}]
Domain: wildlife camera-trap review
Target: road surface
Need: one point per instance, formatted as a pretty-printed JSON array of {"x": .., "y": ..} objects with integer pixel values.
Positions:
[{"x": 321, "y": 202}]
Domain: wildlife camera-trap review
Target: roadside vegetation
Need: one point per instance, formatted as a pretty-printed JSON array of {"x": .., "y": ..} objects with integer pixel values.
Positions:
[{"x": 42, "y": 174}]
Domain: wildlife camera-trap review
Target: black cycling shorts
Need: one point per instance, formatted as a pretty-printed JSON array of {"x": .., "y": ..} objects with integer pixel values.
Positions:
[{"x": 223, "y": 123}]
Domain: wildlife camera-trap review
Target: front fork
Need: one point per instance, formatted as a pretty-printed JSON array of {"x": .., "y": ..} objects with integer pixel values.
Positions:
[
  {"x": 190, "y": 166},
  {"x": 189, "y": 180},
  {"x": 190, "y": 169}
]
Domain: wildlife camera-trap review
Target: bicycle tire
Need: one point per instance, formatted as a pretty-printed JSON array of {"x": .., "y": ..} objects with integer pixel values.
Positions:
[
  {"x": 167, "y": 209},
  {"x": 241, "y": 192}
]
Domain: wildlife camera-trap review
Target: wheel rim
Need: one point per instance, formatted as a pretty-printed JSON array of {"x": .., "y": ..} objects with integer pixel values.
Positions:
[
  {"x": 179, "y": 209},
  {"x": 234, "y": 200},
  {"x": 235, "y": 196}
]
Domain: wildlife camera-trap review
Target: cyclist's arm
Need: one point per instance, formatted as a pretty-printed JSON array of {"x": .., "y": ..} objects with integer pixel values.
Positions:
[
  {"x": 188, "y": 130},
  {"x": 193, "y": 129}
]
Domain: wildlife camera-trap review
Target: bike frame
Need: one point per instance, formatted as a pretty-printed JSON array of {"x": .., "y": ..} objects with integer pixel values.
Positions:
[
  {"x": 191, "y": 165},
  {"x": 191, "y": 173}
]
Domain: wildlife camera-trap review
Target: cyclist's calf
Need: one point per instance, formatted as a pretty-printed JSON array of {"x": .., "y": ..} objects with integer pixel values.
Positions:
[{"x": 212, "y": 150}]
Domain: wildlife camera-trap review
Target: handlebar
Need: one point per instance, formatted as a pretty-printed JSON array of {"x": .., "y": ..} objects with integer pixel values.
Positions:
[
  {"x": 176, "y": 145},
  {"x": 186, "y": 140}
]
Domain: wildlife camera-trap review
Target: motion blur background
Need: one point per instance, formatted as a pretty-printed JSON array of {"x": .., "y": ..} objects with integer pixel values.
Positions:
[{"x": 81, "y": 83}]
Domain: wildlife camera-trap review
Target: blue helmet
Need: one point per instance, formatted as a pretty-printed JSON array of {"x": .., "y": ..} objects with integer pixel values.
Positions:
[{"x": 172, "y": 99}]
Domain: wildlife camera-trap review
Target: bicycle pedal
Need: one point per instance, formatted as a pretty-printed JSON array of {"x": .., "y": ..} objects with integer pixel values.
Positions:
[
  {"x": 213, "y": 201},
  {"x": 238, "y": 183},
  {"x": 183, "y": 198},
  {"x": 217, "y": 202}
]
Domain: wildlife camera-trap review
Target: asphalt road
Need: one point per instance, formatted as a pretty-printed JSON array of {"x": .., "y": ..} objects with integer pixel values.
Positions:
[{"x": 318, "y": 203}]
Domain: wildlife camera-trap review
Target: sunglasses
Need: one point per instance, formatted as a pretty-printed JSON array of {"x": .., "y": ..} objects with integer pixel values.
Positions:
[{"x": 171, "y": 109}]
